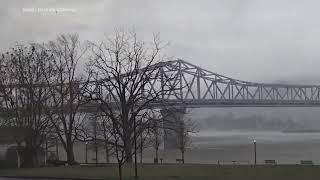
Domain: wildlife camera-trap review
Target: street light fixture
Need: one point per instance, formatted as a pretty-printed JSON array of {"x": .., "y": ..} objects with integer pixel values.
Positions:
[{"x": 255, "y": 151}]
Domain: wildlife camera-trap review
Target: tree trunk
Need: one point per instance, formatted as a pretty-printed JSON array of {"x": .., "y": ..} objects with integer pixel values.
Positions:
[
  {"x": 120, "y": 171},
  {"x": 157, "y": 153},
  {"x": 69, "y": 150},
  {"x": 128, "y": 151},
  {"x": 57, "y": 148},
  {"x": 107, "y": 154},
  {"x": 70, "y": 154},
  {"x": 28, "y": 156},
  {"x": 141, "y": 150},
  {"x": 135, "y": 159},
  {"x": 128, "y": 155},
  {"x": 182, "y": 156},
  {"x": 46, "y": 151},
  {"x": 18, "y": 159},
  {"x": 96, "y": 149}
]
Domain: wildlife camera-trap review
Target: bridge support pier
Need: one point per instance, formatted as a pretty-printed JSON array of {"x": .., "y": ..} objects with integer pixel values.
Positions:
[{"x": 172, "y": 117}]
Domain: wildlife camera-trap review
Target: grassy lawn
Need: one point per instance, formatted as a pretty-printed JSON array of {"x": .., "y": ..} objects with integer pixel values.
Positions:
[{"x": 171, "y": 171}]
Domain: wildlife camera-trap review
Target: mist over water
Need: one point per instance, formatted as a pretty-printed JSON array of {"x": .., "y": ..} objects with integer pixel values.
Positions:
[
  {"x": 231, "y": 137},
  {"x": 285, "y": 148},
  {"x": 209, "y": 147}
]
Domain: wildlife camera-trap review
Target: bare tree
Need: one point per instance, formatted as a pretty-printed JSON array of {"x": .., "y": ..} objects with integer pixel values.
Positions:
[
  {"x": 84, "y": 133},
  {"x": 156, "y": 134},
  {"x": 123, "y": 68},
  {"x": 106, "y": 131},
  {"x": 94, "y": 125},
  {"x": 183, "y": 129},
  {"x": 63, "y": 79},
  {"x": 24, "y": 96},
  {"x": 96, "y": 130}
]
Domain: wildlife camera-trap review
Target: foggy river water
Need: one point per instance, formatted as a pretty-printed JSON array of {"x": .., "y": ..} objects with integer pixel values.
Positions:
[
  {"x": 228, "y": 146},
  {"x": 209, "y": 147}
]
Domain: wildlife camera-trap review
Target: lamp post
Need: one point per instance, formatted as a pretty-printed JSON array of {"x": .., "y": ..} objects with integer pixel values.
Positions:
[
  {"x": 86, "y": 152},
  {"x": 255, "y": 151}
]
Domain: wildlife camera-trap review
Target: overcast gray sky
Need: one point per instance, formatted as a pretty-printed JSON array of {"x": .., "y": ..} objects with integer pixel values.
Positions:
[{"x": 257, "y": 40}]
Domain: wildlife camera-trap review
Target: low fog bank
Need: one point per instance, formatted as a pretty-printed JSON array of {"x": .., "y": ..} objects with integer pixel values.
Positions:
[{"x": 270, "y": 119}]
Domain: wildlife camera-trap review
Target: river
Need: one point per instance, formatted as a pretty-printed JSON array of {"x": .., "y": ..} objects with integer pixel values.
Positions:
[{"x": 228, "y": 146}]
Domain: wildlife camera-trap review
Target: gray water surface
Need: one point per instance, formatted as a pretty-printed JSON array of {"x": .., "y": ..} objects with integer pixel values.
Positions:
[{"x": 228, "y": 146}]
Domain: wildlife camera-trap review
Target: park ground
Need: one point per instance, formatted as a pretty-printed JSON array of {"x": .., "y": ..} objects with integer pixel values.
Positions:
[{"x": 177, "y": 172}]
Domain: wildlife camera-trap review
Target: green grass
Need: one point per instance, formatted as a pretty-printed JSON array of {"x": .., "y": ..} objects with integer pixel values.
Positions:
[{"x": 177, "y": 172}]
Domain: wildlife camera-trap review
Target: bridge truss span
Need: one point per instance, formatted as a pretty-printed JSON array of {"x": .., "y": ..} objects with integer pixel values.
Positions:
[
  {"x": 197, "y": 87},
  {"x": 186, "y": 86}
]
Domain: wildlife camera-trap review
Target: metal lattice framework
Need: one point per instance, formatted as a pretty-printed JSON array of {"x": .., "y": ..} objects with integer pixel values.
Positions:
[
  {"x": 194, "y": 87},
  {"x": 197, "y": 87}
]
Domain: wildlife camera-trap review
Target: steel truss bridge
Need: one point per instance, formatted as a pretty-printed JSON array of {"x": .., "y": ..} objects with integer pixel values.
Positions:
[
  {"x": 195, "y": 87},
  {"x": 198, "y": 87}
]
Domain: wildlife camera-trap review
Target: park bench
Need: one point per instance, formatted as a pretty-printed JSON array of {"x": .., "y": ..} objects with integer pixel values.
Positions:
[
  {"x": 156, "y": 161},
  {"x": 161, "y": 159},
  {"x": 233, "y": 162},
  {"x": 306, "y": 162},
  {"x": 270, "y": 162},
  {"x": 179, "y": 161}
]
